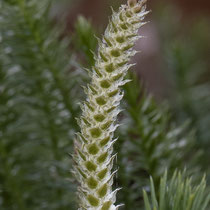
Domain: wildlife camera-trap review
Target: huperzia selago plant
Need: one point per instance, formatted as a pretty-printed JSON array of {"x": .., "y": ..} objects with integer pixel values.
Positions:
[{"x": 94, "y": 144}]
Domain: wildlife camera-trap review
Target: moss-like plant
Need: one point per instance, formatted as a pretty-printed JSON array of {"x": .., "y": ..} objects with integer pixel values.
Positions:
[
  {"x": 177, "y": 194},
  {"x": 94, "y": 144}
]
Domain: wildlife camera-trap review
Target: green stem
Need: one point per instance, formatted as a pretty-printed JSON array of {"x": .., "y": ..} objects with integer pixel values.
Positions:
[{"x": 50, "y": 63}]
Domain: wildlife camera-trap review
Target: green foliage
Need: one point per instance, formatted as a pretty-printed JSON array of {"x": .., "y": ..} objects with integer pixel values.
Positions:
[
  {"x": 191, "y": 87},
  {"x": 150, "y": 142},
  {"x": 177, "y": 194},
  {"x": 187, "y": 68},
  {"x": 38, "y": 81}
]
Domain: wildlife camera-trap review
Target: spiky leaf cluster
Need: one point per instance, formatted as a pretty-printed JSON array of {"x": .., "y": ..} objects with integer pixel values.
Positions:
[
  {"x": 177, "y": 194},
  {"x": 94, "y": 144}
]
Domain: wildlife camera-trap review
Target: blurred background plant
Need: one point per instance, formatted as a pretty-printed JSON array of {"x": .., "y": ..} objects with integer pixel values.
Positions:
[
  {"x": 42, "y": 59},
  {"x": 186, "y": 65}
]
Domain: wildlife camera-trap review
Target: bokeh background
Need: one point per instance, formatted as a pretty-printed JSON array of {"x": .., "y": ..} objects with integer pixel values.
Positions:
[{"x": 166, "y": 120}]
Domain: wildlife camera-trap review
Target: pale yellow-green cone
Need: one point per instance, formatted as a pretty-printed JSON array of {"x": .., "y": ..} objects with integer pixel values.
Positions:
[{"x": 94, "y": 144}]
